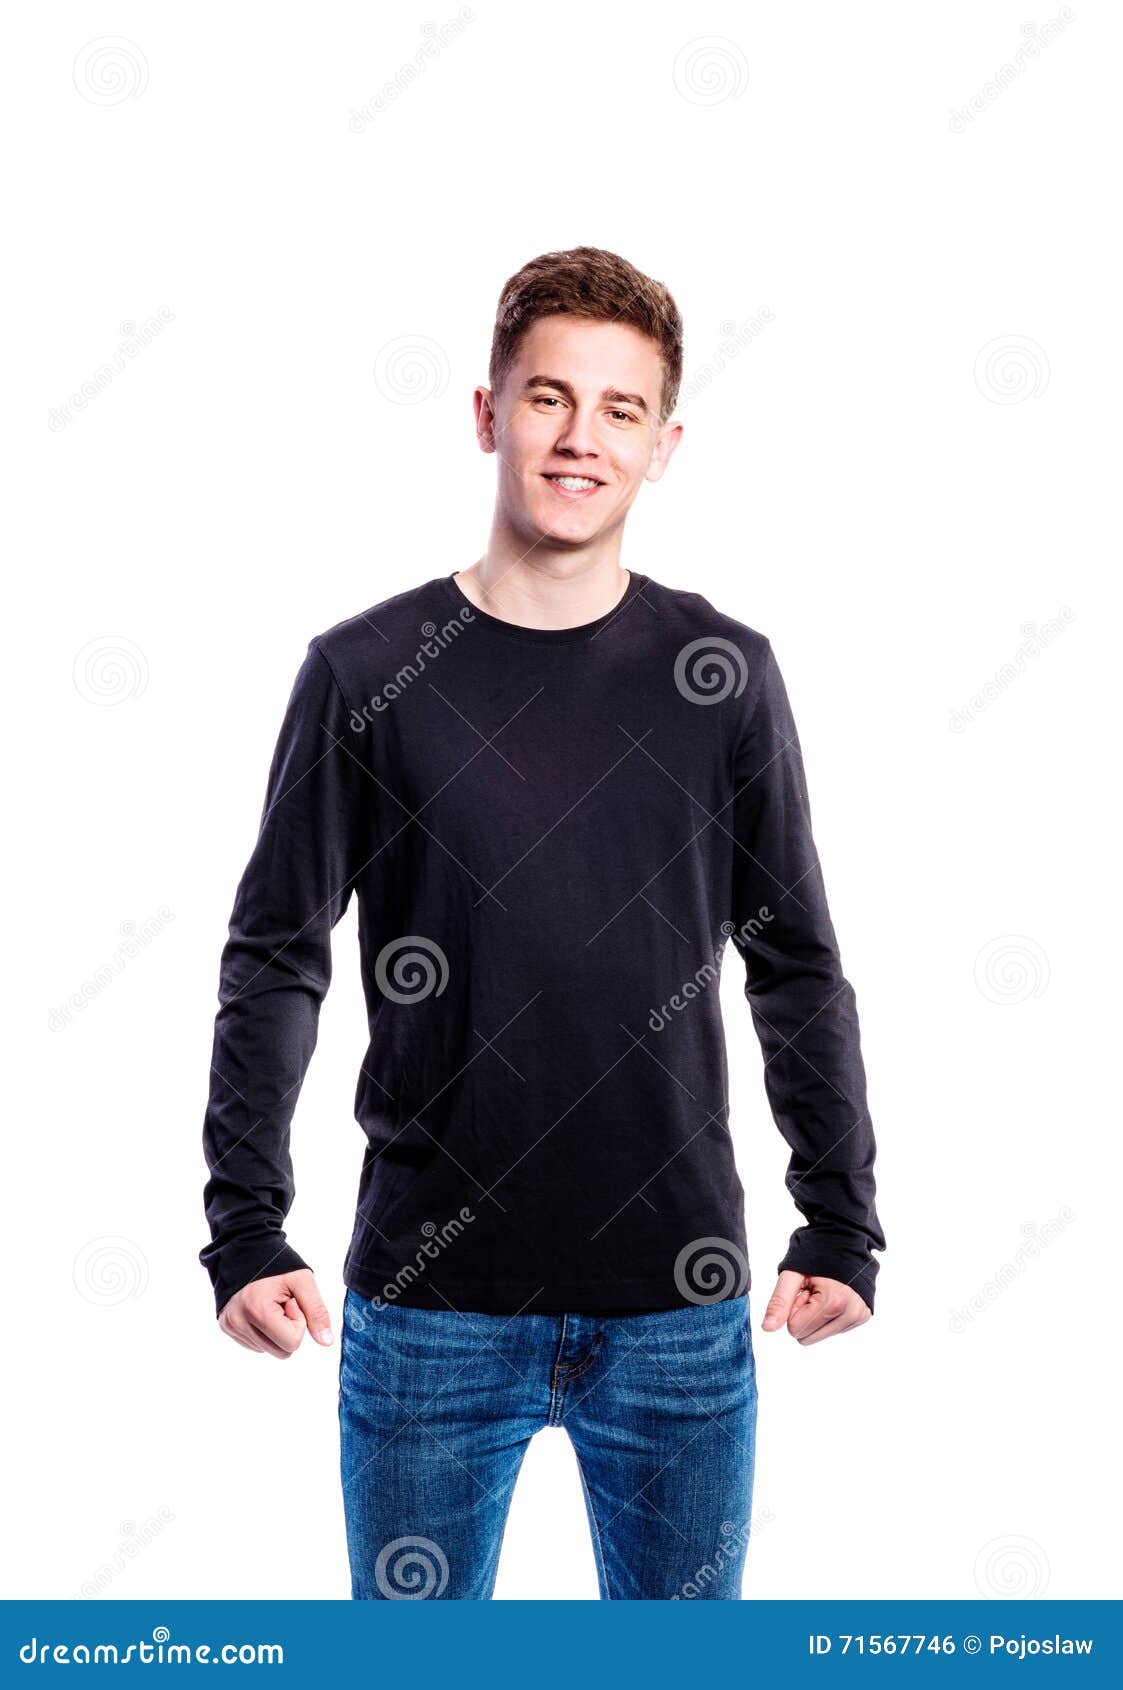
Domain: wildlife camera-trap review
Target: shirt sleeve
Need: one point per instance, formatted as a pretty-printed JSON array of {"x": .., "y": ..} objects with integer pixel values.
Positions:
[
  {"x": 803, "y": 1007},
  {"x": 274, "y": 973}
]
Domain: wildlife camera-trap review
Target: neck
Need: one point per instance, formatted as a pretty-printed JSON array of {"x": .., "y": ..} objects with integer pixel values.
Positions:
[{"x": 540, "y": 586}]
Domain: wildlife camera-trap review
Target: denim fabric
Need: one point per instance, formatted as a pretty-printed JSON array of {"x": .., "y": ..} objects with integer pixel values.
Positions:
[{"x": 437, "y": 1407}]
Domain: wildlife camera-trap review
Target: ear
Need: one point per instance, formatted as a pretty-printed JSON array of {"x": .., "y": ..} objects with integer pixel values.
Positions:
[
  {"x": 665, "y": 444},
  {"x": 483, "y": 403}
]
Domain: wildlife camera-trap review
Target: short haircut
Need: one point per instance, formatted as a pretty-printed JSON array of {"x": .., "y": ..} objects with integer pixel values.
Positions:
[{"x": 588, "y": 282}]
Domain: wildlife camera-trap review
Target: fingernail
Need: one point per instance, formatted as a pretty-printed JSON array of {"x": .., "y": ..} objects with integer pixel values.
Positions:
[{"x": 325, "y": 1335}]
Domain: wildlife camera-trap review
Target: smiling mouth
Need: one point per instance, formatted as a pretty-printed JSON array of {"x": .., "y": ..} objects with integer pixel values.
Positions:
[{"x": 574, "y": 486}]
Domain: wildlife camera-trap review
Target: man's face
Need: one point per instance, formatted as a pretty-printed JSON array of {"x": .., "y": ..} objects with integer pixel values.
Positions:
[{"x": 576, "y": 428}]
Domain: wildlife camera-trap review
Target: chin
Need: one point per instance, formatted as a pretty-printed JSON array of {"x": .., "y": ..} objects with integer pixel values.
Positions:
[
  {"x": 570, "y": 535},
  {"x": 577, "y": 521}
]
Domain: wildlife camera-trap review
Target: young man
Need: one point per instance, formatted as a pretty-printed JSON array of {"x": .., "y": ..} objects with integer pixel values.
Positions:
[{"x": 556, "y": 788}]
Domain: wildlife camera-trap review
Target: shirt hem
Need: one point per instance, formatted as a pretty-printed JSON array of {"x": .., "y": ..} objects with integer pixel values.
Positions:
[{"x": 621, "y": 1297}]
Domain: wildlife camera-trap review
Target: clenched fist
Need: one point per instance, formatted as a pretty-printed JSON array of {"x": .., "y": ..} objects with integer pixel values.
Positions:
[
  {"x": 813, "y": 1307},
  {"x": 272, "y": 1315}
]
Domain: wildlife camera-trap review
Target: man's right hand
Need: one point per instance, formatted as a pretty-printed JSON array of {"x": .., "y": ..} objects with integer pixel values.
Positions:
[{"x": 272, "y": 1315}]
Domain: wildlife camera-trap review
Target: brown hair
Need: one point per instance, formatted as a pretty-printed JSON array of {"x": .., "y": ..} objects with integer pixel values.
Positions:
[{"x": 588, "y": 282}]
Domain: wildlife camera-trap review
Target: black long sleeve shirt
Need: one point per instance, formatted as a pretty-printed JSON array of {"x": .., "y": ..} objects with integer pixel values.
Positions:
[{"x": 551, "y": 836}]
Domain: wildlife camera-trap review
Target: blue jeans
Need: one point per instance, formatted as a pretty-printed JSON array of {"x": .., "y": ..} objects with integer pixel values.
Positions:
[{"x": 437, "y": 1407}]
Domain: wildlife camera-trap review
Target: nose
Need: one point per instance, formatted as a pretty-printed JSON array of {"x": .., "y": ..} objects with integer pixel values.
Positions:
[{"x": 576, "y": 437}]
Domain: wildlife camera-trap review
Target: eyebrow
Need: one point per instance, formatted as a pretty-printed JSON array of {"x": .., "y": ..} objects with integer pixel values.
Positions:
[{"x": 611, "y": 393}]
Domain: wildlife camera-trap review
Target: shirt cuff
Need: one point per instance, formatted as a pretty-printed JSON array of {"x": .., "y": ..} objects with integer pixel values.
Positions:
[
  {"x": 243, "y": 1260},
  {"x": 832, "y": 1258}
]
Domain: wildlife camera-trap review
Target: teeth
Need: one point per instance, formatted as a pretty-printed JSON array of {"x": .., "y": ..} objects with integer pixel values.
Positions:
[{"x": 575, "y": 483}]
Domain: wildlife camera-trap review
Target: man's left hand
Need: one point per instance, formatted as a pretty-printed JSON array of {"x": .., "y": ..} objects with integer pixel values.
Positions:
[{"x": 812, "y": 1307}]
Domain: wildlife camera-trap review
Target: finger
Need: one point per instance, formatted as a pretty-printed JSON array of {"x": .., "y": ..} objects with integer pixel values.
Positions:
[
  {"x": 820, "y": 1326},
  {"x": 829, "y": 1328},
  {"x": 819, "y": 1310},
  {"x": 307, "y": 1295},
  {"x": 246, "y": 1343},
  {"x": 264, "y": 1313},
  {"x": 783, "y": 1299},
  {"x": 265, "y": 1339},
  {"x": 829, "y": 1311},
  {"x": 292, "y": 1311},
  {"x": 274, "y": 1319}
]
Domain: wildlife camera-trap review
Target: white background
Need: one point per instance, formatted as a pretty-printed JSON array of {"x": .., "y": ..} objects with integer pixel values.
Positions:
[{"x": 893, "y": 504}]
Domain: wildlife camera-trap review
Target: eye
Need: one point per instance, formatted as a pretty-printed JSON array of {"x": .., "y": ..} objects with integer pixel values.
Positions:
[
  {"x": 627, "y": 415},
  {"x": 546, "y": 399}
]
